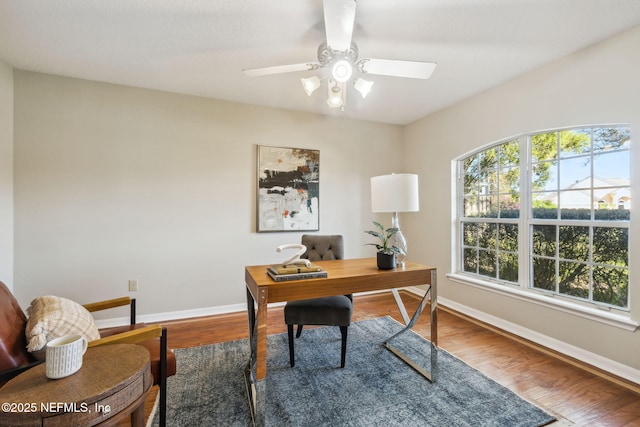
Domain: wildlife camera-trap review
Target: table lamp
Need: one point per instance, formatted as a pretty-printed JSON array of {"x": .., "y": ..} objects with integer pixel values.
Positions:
[{"x": 395, "y": 193}]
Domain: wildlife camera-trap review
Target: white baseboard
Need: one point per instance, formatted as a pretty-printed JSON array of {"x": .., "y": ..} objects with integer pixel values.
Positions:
[
  {"x": 608, "y": 365},
  {"x": 177, "y": 315},
  {"x": 187, "y": 314},
  {"x": 593, "y": 359}
]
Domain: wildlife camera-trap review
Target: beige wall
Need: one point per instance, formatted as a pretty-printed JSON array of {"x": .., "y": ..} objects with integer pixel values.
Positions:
[
  {"x": 115, "y": 183},
  {"x": 598, "y": 85},
  {"x": 6, "y": 174}
]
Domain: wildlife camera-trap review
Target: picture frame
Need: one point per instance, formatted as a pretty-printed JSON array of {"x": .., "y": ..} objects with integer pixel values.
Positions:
[{"x": 288, "y": 189}]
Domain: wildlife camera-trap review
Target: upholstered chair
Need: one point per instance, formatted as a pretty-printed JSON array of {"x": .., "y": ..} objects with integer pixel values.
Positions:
[
  {"x": 330, "y": 311},
  {"x": 14, "y": 357}
]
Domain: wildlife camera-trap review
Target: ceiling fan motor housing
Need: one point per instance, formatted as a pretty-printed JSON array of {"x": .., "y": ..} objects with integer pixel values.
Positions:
[{"x": 326, "y": 55}]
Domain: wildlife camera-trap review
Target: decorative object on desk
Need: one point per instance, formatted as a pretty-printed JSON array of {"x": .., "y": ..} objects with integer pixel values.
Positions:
[
  {"x": 385, "y": 261},
  {"x": 294, "y": 269},
  {"x": 395, "y": 193},
  {"x": 288, "y": 189},
  {"x": 295, "y": 259},
  {"x": 297, "y": 276},
  {"x": 64, "y": 356},
  {"x": 386, "y": 256},
  {"x": 357, "y": 396}
]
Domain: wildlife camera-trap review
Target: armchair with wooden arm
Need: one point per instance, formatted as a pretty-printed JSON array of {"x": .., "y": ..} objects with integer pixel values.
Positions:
[{"x": 14, "y": 357}]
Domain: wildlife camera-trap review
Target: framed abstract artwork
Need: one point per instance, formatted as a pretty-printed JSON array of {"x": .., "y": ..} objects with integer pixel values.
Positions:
[{"x": 288, "y": 189}]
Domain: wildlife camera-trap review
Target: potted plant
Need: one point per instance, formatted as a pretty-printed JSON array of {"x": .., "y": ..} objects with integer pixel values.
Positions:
[{"x": 386, "y": 251}]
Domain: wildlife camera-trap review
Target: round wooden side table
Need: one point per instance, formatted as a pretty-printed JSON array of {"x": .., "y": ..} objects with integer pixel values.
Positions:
[{"x": 113, "y": 383}]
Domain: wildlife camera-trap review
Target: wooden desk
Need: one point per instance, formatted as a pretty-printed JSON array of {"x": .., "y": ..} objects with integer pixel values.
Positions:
[
  {"x": 113, "y": 383},
  {"x": 344, "y": 277}
]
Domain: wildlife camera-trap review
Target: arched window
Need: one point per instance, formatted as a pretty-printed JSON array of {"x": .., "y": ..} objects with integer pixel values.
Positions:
[{"x": 539, "y": 213}]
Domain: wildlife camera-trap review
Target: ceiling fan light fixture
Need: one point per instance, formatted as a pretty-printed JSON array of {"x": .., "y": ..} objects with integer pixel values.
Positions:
[
  {"x": 336, "y": 95},
  {"x": 338, "y": 60},
  {"x": 311, "y": 84},
  {"x": 363, "y": 86},
  {"x": 342, "y": 71}
]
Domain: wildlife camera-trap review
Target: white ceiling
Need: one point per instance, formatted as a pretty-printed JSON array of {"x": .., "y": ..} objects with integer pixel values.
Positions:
[{"x": 199, "y": 47}]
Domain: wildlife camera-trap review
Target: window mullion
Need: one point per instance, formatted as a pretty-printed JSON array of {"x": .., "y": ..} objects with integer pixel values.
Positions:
[{"x": 524, "y": 245}]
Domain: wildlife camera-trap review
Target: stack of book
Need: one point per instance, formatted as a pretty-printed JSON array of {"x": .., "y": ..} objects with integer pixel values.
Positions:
[{"x": 281, "y": 273}]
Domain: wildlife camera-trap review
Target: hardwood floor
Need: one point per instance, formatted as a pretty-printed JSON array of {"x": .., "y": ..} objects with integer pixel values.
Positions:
[{"x": 576, "y": 395}]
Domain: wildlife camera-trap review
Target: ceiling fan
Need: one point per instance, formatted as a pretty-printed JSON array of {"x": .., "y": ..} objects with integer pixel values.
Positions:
[{"x": 339, "y": 56}]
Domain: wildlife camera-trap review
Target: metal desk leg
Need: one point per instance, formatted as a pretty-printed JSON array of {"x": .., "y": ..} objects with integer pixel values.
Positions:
[
  {"x": 401, "y": 307},
  {"x": 255, "y": 389},
  {"x": 431, "y": 376}
]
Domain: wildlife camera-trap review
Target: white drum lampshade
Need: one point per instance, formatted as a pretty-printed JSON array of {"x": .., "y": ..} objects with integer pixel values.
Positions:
[{"x": 395, "y": 193}]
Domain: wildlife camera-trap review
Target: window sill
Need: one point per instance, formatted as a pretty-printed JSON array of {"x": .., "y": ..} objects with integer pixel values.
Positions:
[{"x": 595, "y": 314}]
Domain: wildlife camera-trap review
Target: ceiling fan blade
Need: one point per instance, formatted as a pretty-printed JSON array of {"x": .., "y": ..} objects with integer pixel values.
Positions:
[
  {"x": 339, "y": 16},
  {"x": 279, "y": 69},
  {"x": 397, "y": 68}
]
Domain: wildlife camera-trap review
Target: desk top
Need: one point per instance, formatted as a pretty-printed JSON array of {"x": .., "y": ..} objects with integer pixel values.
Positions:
[
  {"x": 109, "y": 370},
  {"x": 345, "y": 276}
]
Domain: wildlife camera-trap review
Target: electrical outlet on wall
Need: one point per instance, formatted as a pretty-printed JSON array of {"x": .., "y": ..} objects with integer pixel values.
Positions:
[{"x": 133, "y": 285}]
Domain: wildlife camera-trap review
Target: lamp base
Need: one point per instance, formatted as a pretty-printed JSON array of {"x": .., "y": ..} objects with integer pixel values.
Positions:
[{"x": 398, "y": 240}]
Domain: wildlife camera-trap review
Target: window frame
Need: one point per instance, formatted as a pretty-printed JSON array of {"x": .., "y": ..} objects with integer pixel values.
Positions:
[{"x": 523, "y": 289}]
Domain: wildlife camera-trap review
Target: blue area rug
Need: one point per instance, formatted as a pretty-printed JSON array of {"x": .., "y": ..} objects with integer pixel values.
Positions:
[{"x": 374, "y": 389}]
